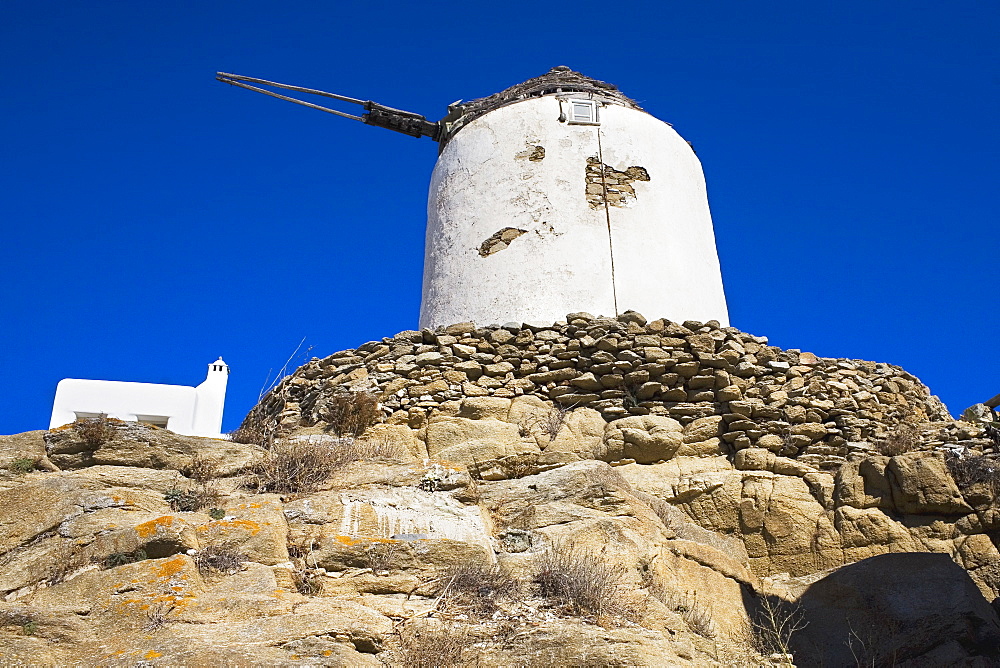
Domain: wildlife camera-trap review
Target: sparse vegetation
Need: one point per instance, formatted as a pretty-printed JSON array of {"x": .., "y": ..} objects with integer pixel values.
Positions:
[
  {"x": 773, "y": 623},
  {"x": 298, "y": 466},
  {"x": 194, "y": 499},
  {"x": 121, "y": 558},
  {"x": 255, "y": 430},
  {"x": 349, "y": 413},
  {"x": 985, "y": 417},
  {"x": 970, "y": 470},
  {"x": 579, "y": 580},
  {"x": 697, "y": 615},
  {"x": 22, "y": 465},
  {"x": 432, "y": 645},
  {"x": 95, "y": 431},
  {"x": 550, "y": 423},
  {"x": 223, "y": 558},
  {"x": 156, "y": 617},
  {"x": 380, "y": 557},
  {"x": 905, "y": 438},
  {"x": 477, "y": 588}
]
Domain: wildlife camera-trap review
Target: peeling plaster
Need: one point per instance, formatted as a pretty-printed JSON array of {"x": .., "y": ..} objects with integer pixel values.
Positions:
[
  {"x": 607, "y": 185},
  {"x": 500, "y": 241},
  {"x": 533, "y": 153}
]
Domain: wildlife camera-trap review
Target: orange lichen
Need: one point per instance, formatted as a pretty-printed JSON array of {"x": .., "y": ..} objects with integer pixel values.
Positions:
[
  {"x": 248, "y": 525},
  {"x": 171, "y": 567},
  {"x": 152, "y": 654},
  {"x": 149, "y": 529}
]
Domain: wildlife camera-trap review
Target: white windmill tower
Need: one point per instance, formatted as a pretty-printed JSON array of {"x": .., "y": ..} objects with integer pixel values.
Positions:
[{"x": 557, "y": 195}]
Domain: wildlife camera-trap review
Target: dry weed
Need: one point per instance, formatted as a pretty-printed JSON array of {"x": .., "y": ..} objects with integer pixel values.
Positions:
[
  {"x": 477, "y": 588},
  {"x": 95, "y": 431},
  {"x": 350, "y": 413},
  {"x": 224, "y": 558},
  {"x": 432, "y": 646},
  {"x": 580, "y": 580},
  {"x": 905, "y": 438}
]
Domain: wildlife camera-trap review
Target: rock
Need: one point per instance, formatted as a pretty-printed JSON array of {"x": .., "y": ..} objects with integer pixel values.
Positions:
[
  {"x": 922, "y": 485},
  {"x": 475, "y": 442},
  {"x": 646, "y": 439}
]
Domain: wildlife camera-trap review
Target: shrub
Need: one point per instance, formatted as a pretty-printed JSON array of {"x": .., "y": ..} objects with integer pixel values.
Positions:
[
  {"x": 96, "y": 431},
  {"x": 349, "y": 413},
  {"x": 579, "y": 579},
  {"x": 302, "y": 465},
  {"x": 476, "y": 587},
  {"x": 972, "y": 470},
  {"x": 380, "y": 557},
  {"x": 905, "y": 438},
  {"x": 223, "y": 558},
  {"x": 773, "y": 623},
  {"x": 22, "y": 465},
  {"x": 255, "y": 429},
  {"x": 191, "y": 500},
  {"x": 432, "y": 646},
  {"x": 696, "y": 615},
  {"x": 121, "y": 558}
]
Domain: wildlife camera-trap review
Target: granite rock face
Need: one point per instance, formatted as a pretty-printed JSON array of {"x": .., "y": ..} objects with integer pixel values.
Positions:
[{"x": 705, "y": 485}]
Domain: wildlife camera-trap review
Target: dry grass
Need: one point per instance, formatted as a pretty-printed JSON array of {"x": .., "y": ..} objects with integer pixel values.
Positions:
[
  {"x": 476, "y": 588},
  {"x": 196, "y": 498},
  {"x": 299, "y": 466},
  {"x": 156, "y": 617},
  {"x": 96, "y": 431},
  {"x": 255, "y": 429},
  {"x": 22, "y": 465},
  {"x": 380, "y": 557},
  {"x": 905, "y": 438},
  {"x": 349, "y": 414},
  {"x": 431, "y": 646},
  {"x": 225, "y": 559},
  {"x": 970, "y": 470},
  {"x": 579, "y": 580}
]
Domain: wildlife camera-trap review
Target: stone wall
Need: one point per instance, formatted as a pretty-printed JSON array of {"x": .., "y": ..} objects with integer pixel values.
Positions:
[{"x": 790, "y": 402}]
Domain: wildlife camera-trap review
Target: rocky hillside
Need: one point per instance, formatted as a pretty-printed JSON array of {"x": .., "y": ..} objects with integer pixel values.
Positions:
[{"x": 597, "y": 492}]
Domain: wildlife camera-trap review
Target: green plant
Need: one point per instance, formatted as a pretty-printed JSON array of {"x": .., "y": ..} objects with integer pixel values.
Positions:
[
  {"x": 29, "y": 628},
  {"x": 217, "y": 513},
  {"x": 121, "y": 558},
  {"x": 579, "y": 580},
  {"x": 95, "y": 431},
  {"x": 22, "y": 465}
]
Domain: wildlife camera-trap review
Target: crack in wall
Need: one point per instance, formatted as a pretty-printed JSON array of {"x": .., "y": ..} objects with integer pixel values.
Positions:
[
  {"x": 607, "y": 185},
  {"x": 500, "y": 240}
]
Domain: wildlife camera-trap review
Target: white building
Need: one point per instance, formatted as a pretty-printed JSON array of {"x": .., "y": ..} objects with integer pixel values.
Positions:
[
  {"x": 561, "y": 195},
  {"x": 192, "y": 411}
]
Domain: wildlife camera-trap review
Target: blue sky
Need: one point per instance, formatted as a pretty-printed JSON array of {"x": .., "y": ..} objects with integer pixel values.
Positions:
[{"x": 154, "y": 219}]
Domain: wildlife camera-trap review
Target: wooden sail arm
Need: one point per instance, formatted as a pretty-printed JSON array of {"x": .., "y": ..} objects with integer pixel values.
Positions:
[{"x": 377, "y": 114}]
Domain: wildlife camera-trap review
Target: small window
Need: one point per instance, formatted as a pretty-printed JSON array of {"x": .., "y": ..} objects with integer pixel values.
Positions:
[
  {"x": 81, "y": 416},
  {"x": 153, "y": 420},
  {"x": 583, "y": 112}
]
